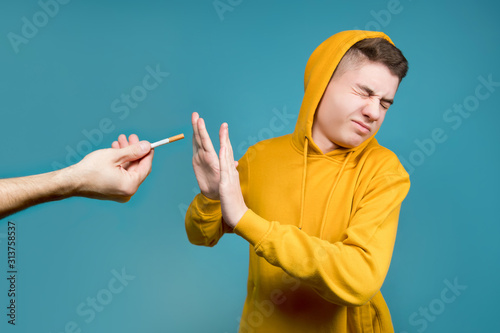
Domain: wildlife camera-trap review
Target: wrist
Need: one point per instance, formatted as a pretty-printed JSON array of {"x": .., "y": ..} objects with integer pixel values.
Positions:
[
  {"x": 238, "y": 214},
  {"x": 211, "y": 196},
  {"x": 69, "y": 181}
]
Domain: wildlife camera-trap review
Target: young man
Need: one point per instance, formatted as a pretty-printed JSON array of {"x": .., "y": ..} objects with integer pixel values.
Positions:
[
  {"x": 106, "y": 174},
  {"x": 320, "y": 206}
]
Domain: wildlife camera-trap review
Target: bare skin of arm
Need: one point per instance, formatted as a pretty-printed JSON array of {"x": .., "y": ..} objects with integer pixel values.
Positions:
[{"x": 106, "y": 174}]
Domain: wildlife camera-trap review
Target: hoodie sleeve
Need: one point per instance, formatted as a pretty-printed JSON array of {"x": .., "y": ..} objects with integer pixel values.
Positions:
[
  {"x": 348, "y": 272},
  {"x": 204, "y": 223}
]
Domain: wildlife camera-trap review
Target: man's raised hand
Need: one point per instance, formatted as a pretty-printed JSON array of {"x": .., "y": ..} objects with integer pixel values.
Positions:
[
  {"x": 205, "y": 160},
  {"x": 232, "y": 203}
]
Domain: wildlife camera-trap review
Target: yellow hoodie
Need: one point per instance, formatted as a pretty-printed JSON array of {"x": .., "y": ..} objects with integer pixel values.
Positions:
[{"x": 321, "y": 227}]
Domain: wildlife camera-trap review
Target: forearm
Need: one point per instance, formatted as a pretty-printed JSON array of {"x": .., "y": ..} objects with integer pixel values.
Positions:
[
  {"x": 343, "y": 273},
  {"x": 20, "y": 193}
]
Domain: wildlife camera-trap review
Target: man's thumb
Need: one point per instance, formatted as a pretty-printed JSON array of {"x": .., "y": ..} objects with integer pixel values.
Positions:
[{"x": 133, "y": 152}]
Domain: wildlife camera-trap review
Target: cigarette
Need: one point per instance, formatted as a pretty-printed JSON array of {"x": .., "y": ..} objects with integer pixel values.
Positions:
[{"x": 167, "y": 140}]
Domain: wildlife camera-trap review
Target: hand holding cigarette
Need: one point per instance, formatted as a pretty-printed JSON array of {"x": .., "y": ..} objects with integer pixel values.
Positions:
[
  {"x": 106, "y": 174},
  {"x": 114, "y": 174}
]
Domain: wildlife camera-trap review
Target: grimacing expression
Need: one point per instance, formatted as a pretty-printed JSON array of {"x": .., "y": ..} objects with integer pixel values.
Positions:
[{"x": 354, "y": 105}]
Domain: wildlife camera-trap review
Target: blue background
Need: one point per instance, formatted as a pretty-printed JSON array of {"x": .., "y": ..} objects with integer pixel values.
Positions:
[{"x": 238, "y": 67}]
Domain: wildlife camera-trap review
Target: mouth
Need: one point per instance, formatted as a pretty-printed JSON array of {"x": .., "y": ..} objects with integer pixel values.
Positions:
[{"x": 361, "y": 126}]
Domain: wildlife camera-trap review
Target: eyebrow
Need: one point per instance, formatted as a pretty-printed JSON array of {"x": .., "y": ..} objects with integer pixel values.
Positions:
[{"x": 370, "y": 91}]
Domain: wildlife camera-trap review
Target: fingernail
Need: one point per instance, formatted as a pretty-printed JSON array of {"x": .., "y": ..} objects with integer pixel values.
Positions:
[{"x": 144, "y": 146}]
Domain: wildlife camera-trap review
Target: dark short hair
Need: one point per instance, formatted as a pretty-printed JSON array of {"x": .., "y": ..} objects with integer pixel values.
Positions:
[{"x": 377, "y": 50}]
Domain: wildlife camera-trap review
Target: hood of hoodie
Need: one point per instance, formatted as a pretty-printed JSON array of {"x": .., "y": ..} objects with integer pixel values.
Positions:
[{"x": 319, "y": 70}]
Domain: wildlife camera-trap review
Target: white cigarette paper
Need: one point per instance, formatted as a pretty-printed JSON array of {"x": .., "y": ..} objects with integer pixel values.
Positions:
[{"x": 167, "y": 140}]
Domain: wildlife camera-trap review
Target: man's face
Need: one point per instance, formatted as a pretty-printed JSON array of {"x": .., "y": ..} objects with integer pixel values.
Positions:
[{"x": 353, "y": 106}]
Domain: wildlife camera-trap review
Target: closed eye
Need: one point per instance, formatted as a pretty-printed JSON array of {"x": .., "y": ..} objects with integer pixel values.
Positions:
[
  {"x": 386, "y": 103},
  {"x": 366, "y": 91}
]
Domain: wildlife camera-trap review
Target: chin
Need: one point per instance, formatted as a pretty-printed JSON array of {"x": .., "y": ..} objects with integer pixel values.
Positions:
[
  {"x": 350, "y": 144},
  {"x": 358, "y": 140},
  {"x": 346, "y": 145}
]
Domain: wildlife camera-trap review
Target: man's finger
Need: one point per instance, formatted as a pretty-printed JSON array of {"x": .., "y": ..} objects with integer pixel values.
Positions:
[
  {"x": 145, "y": 164},
  {"x": 196, "y": 134},
  {"x": 224, "y": 169},
  {"x": 222, "y": 135},
  {"x": 227, "y": 159},
  {"x": 222, "y": 165},
  {"x": 206, "y": 143},
  {"x": 133, "y": 138},
  {"x": 229, "y": 146},
  {"x": 122, "y": 140},
  {"x": 224, "y": 139},
  {"x": 133, "y": 152}
]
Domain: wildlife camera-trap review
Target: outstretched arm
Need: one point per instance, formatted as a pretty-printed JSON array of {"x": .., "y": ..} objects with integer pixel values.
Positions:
[{"x": 106, "y": 174}]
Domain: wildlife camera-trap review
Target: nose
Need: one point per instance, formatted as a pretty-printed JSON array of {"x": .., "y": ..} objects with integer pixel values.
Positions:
[{"x": 372, "y": 109}]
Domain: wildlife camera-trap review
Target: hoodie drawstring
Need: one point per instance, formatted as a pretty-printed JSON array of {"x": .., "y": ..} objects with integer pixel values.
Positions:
[
  {"x": 302, "y": 199},
  {"x": 302, "y": 202}
]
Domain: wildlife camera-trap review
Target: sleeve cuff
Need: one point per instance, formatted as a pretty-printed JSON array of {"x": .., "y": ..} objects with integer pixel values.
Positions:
[
  {"x": 252, "y": 228},
  {"x": 206, "y": 206}
]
